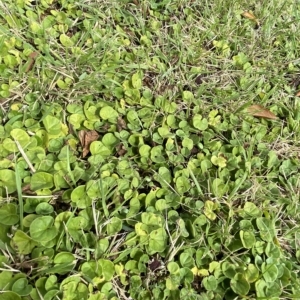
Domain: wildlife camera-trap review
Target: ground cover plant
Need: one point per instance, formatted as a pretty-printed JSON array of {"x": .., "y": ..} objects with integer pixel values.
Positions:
[{"x": 149, "y": 149}]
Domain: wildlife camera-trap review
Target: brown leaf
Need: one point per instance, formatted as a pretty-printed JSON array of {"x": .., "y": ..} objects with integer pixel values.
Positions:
[
  {"x": 121, "y": 150},
  {"x": 298, "y": 94},
  {"x": 27, "y": 191},
  {"x": 121, "y": 124},
  {"x": 86, "y": 138},
  {"x": 31, "y": 60},
  {"x": 250, "y": 16},
  {"x": 154, "y": 264},
  {"x": 257, "y": 110}
]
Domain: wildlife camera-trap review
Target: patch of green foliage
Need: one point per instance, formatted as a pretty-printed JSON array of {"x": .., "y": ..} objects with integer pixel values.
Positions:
[{"x": 184, "y": 195}]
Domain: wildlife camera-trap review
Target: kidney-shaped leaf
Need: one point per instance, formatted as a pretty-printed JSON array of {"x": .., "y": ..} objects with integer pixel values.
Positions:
[
  {"x": 266, "y": 227},
  {"x": 8, "y": 180},
  {"x": 42, "y": 229},
  {"x": 52, "y": 125},
  {"x": 80, "y": 197},
  {"x": 240, "y": 285},
  {"x": 259, "y": 111},
  {"x": 106, "y": 269},
  {"x": 157, "y": 241},
  {"x": 41, "y": 180},
  {"x": 21, "y": 287},
  {"x": 10, "y": 296},
  {"x": 24, "y": 243},
  {"x": 21, "y": 136},
  {"x": 8, "y": 214}
]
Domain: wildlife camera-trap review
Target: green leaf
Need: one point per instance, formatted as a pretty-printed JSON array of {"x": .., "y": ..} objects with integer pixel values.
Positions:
[
  {"x": 157, "y": 155},
  {"x": 260, "y": 287},
  {"x": 24, "y": 242},
  {"x": 188, "y": 143},
  {"x": 21, "y": 136},
  {"x": 173, "y": 268},
  {"x": 42, "y": 229},
  {"x": 108, "y": 113},
  {"x": 210, "y": 283},
  {"x": 52, "y": 125},
  {"x": 89, "y": 269},
  {"x": 157, "y": 241},
  {"x": 41, "y": 180},
  {"x": 8, "y": 180},
  {"x": 187, "y": 96},
  {"x": 252, "y": 273},
  {"x": 106, "y": 269},
  {"x": 109, "y": 140},
  {"x": 21, "y": 287},
  {"x": 10, "y": 296},
  {"x": 182, "y": 184},
  {"x": 228, "y": 269},
  {"x": 240, "y": 59},
  {"x": 76, "y": 120},
  {"x": 172, "y": 283},
  {"x": 273, "y": 290},
  {"x": 136, "y": 80},
  {"x": 80, "y": 197},
  {"x": 66, "y": 41},
  {"x": 44, "y": 208},
  {"x": 145, "y": 150},
  {"x": 267, "y": 229},
  {"x": 64, "y": 262},
  {"x": 219, "y": 161},
  {"x": 209, "y": 208},
  {"x": 247, "y": 238},
  {"x": 199, "y": 123},
  {"x": 8, "y": 214},
  {"x": 240, "y": 285},
  {"x": 269, "y": 272},
  {"x": 186, "y": 260},
  {"x": 97, "y": 147},
  {"x": 114, "y": 225},
  {"x": 250, "y": 210}
]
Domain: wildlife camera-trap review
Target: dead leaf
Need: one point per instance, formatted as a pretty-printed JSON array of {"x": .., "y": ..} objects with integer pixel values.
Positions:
[
  {"x": 121, "y": 150},
  {"x": 257, "y": 110},
  {"x": 86, "y": 138},
  {"x": 31, "y": 61},
  {"x": 154, "y": 264},
  {"x": 121, "y": 124},
  {"x": 27, "y": 191},
  {"x": 250, "y": 16},
  {"x": 298, "y": 94}
]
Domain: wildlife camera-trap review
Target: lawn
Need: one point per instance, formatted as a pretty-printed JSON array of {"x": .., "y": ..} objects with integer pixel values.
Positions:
[{"x": 149, "y": 150}]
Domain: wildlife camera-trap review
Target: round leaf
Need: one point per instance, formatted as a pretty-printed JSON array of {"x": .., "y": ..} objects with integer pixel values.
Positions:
[
  {"x": 10, "y": 296},
  {"x": 247, "y": 238},
  {"x": 42, "y": 229},
  {"x": 8, "y": 180},
  {"x": 66, "y": 41},
  {"x": 106, "y": 269},
  {"x": 199, "y": 123},
  {"x": 8, "y": 214},
  {"x": 52, "y": 125},
  {"x": 80, "y": 197},
  {"x": 41, "y": 180},
  {"x": 24, "y": 243},
  {"x": 21, "y": 136},
  {"x": 108, "y": 113},
  {"x": 210, "y": 283},
  {"x": 157, "y": 241},
  {"x": 114, "y": 225},
  {"x": 240, "y": 285},
  {"x": 21, "y": 287},
  {"x": 44, "y": 208}
]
